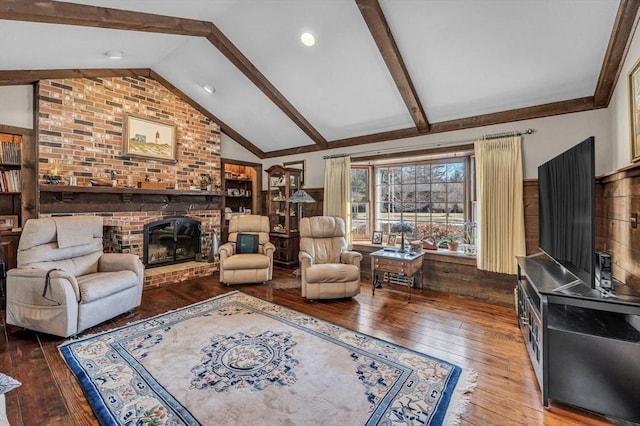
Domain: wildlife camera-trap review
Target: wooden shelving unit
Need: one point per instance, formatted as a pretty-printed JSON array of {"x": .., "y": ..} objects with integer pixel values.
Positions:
[
  {"x": 241, "y": 186},
  {"x": 11, "y": 177},
  {"x": 283, "y": 215}
]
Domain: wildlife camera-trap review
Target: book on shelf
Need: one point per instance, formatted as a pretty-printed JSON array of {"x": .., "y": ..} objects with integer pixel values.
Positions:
[
  {"x": 11, "y": 181},
  {"x": 10, "y": 152}
]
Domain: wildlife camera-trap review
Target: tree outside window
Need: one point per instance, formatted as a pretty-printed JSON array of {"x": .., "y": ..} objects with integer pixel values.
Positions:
[
  {"x": 431, "y": 196},
  {"x": 360, "y": 227}
]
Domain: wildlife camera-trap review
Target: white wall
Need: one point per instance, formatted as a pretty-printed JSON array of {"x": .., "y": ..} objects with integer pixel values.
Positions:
[
  {"x": 620, "y": 112},
  {"x": 229, "y": 148},
  {"x": 16, "y": 106}
]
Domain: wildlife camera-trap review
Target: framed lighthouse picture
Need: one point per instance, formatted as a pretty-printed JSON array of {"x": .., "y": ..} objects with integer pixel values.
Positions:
[{"x": 149, "y": 138}]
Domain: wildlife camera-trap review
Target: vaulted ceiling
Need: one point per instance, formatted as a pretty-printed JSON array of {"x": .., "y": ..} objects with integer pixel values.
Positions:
[{"x": 380, "y": 69}]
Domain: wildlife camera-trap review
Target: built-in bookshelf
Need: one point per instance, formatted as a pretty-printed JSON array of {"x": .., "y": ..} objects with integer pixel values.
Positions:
[
  {"x": 10, "y": 178},
  {"x": 241, "y": 185}
]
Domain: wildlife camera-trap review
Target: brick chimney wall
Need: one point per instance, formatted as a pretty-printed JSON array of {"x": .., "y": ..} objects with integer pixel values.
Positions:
[{"x": 81, "y": 126}]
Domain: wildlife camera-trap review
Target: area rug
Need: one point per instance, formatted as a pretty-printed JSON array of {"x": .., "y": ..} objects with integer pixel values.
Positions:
[{"x": 238, "y": 360}]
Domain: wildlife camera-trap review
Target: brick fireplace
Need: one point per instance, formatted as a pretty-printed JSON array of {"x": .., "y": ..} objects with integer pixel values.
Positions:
[
  {"x": 124, "y": 230},
  {"x": 124, "y": 234},
  {"x": 81, "y": 126}
]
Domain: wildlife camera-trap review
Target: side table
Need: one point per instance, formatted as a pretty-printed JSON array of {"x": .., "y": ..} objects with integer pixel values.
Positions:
[{"x": 393, "y": 262}]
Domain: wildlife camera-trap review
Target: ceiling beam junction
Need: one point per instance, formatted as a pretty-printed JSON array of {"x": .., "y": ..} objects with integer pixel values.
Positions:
[{"x": 621, "y": 35}]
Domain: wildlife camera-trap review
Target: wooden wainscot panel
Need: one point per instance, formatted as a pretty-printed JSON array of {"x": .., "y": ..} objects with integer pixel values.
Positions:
[{"x": 453, "y": 273}]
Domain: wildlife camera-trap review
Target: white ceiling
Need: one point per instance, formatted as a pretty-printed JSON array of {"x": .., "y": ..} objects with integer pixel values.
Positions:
[{"x": 465, "y": 58}]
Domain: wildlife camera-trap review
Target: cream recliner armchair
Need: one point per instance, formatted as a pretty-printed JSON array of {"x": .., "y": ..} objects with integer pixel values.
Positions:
[
  {"x": 64, "y": 282},
  {"x": 328, "y": 269},
  {"x": 247, "y": 257}
]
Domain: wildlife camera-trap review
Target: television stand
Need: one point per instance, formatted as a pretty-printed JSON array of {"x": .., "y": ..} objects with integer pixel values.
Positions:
[{"x": 581, "y": 341}]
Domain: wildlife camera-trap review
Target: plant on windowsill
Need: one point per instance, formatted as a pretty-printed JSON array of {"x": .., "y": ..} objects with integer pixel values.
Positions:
[
  {"x": 451, "y": 242},
  {"x": 469, "y": 245}
]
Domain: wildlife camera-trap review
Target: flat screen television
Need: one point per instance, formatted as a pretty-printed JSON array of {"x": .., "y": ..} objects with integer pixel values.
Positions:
[{"x": 566, "y": 197}]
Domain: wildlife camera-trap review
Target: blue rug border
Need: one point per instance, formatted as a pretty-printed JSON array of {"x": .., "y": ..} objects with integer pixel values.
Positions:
[
  {"x": 100, "y": 410},
  {"x": 104, "y": 416}
]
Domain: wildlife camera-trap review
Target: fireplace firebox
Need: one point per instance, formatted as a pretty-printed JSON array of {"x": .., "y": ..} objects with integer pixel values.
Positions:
[{"x": 171, "y": 240}]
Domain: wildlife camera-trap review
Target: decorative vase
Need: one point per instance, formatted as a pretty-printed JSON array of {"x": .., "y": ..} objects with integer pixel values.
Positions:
[
  {"x": 469, "y": 249},
  {"x": 215, "y": 245}
]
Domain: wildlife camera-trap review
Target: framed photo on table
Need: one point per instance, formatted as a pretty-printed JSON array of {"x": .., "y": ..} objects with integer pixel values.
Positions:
[
  {"x": 634, "y": 109},
  {"x": 149, "y": 138},
  {"x": 376, "y": 238},
  {"x": 392, "y": 240}
]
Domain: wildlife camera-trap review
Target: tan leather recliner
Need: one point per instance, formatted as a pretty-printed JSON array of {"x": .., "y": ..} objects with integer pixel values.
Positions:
[
  {"x": 328, "y": 269},
  {"x": 64, "y": 282},
  {"x": 243, "y": 268}
]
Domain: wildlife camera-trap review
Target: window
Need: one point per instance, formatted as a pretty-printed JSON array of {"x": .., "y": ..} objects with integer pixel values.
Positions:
[
  {"x": 432, "y": 196},
  {"x": 360, "y": 203}
]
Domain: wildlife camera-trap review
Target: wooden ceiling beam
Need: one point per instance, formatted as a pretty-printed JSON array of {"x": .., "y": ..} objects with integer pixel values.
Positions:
[
  {"x": 527, "y": 113},
  {"x": 54, "y": 12},
  {"x": 292, "y": 151},
  {"x": 519, "y": 114},
  {"x": 381, "y": 33},
  {"x": 231, "y": 52},
  {"x": 623, "y": 29},
  {"x": 17, "y": 77}
]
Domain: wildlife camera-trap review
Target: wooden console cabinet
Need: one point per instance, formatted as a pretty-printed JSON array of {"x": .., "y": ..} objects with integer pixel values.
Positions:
[
  {"x": 287, "y": 248},
  {"x": 582, "y": 344}
]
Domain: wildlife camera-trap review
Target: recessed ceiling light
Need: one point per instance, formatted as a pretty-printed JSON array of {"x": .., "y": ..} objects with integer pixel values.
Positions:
[
  {"x": 113, "y": 54},
  {"x": 308, "y": 39},
  {"x": 209, "y": 89}
]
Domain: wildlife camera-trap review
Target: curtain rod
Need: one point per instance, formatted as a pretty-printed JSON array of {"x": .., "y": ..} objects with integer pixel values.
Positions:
[
  {"x": 507, "y": 134},
  {"x": 446, "y": 143}
]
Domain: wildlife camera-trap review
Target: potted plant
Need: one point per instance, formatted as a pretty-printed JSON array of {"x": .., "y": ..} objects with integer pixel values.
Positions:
[
  {"x": 205, "y": 182},
  {"x": 469, "y": 247},
  {"x": 451, "y": 241}
]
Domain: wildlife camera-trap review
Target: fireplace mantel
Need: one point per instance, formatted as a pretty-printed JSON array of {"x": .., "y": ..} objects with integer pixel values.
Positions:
[{"x": 104, "y": 199}]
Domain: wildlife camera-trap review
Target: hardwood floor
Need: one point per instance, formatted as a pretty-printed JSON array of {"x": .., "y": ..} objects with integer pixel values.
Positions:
[{"x": 470, "y": 333}]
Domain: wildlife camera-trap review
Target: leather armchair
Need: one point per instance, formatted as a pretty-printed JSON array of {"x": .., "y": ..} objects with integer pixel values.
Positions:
[
  {"x": 241, "y": 268},
  {"x": 328, "y": 269},
  {"x": 64, "y": 282}
]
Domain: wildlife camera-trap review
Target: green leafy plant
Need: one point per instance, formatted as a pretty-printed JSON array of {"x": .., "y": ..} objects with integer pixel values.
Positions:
[
  {"x": 470, "y": 232},
  {"x": 455, "y": 238},
  {"x": 205, "y": 180}
]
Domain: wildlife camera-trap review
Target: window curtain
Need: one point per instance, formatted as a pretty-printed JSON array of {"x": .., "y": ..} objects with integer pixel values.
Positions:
[
  {"x": 337, "y": 190},
  {"x": 500, "y": 204}
]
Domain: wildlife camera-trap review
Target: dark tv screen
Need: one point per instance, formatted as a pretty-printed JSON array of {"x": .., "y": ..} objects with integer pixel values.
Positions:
[{"x": 566, "y": 191}]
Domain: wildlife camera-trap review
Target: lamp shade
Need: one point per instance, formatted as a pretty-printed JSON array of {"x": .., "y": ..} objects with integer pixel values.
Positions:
[{"x": 301, "y": 196}]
